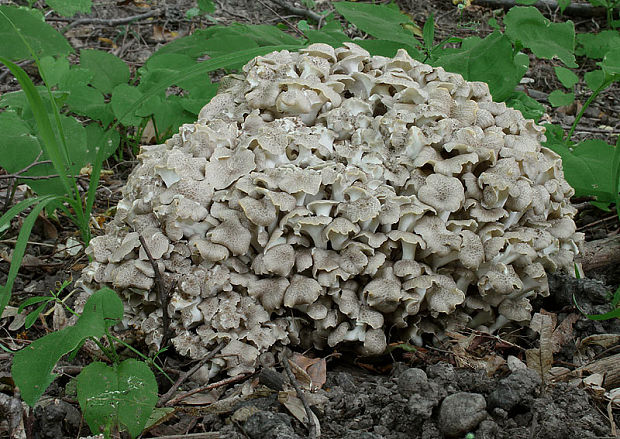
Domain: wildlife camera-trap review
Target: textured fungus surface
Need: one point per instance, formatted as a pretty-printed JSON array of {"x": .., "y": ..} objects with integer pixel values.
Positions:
[{"x": 327, "y": 197}]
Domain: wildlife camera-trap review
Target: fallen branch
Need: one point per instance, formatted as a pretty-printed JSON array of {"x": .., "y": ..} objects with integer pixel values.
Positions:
[
  {"x": 207, "y": 387},
  {"x": 601, "y": 253},
  {"x": 299, "y": 11},
  {"x": 112, "y": 21},
  {"x": 168, "y": 395},
  {"x": 576, "y": 9}
]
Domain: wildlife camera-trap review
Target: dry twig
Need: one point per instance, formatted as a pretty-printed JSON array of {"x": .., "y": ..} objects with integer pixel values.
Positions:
[
  {"x": 207, "y": 387},
  {"x": 299, "y": 11},
  {"x": 168, "y": 395},
  {"x": 162, "y": 295}
]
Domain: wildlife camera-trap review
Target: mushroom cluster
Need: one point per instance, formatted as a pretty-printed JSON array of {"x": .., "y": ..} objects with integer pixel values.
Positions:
[{"x": 330, "y": 196}]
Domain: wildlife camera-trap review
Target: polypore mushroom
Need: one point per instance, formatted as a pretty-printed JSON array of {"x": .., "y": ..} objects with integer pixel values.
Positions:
[{"x": 328, "y": 196}]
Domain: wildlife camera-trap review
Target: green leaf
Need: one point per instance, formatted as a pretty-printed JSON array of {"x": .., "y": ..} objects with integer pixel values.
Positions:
[
  {"x": 526, "y": 2},
  {"x": 611, "y": 64},
  {"x": 529, "y": 107},
  {"x": 566, "y": 77},
  {"x": 380, "y": 21},
  {"x": 18, "y": 146},
  {"x": 32, "y": 317},
  {"x": 490, "y": 60},
  {"x": 43, "y": 38},
  {"x": 124, "y": 98},
  {"x": 108, "y": 70},
  {"x": 331, "y": 33},
  {"x": 206, "y": 6},
  {"x": 54, "y": 69},
  {"x": 68, "y": 8},
  {"x": 121, "y": 395},
  {"x": 94, "y": 133},
  {"x": 608, "y": 315},
  {"x": 32, "y": 366},
  {"x": 597, "y": 45},
  {"x": 563, "y": 4},
  {"x": 544, "y": 38},
  {"x": 428, "y": 32},
  {"x": 558, "y": 98},
  {"x": 588, "y": 168},
  {"x": 33, "y": 301},
  {"x": 50, "y": 144},
  {"x": 594, "y": 79}
]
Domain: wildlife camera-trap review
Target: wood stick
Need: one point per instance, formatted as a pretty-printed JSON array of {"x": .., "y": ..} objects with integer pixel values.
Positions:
[
  {"x": 600, "y": 253},
  {"x": 576, "y": 9}
]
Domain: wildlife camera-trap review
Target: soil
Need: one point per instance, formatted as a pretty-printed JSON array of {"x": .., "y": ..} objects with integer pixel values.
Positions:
[{"x": 467, "y": 383}]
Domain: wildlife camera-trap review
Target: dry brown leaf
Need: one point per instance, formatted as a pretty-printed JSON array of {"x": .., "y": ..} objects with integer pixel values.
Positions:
[
  {"x": 295, "y": 406},
  {"x": 564, "y": 332},
  {"x": 59, "y": 319},
  {"x": 315, "y": 369},
  {"x": 603, "y": 340},
  {"x": 541, "y": 359},
  {"x": 161, "y": 34},
  {"x": 107, "y": 42}
]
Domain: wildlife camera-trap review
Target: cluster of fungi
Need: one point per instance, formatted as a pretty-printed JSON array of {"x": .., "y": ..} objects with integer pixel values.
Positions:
[{"x": 329, "y": 196}]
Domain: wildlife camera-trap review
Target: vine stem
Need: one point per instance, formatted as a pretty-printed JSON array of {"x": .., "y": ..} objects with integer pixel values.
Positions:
[{"x": 585, "y": 107}]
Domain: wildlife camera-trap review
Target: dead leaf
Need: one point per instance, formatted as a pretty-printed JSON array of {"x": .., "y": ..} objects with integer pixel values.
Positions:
[
  {"x": 315, "y": 369},
  {"x": 541, "y": 359},
  {"x": 564, "y": 332},
  {"x": 148, "y": 134},
  {"x": 602, "y": 340},
  {"x": 107, "y": 42},
  {"x": 59, "y": 319},
  {"x": 163, "y": 35},
  {"x": 48, "y": 227},
  {"x": 295, "y": 406}
]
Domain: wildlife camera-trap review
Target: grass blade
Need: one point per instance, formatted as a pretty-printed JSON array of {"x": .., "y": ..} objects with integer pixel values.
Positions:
[
  {"x": 20, "y": 247},
  {"x": 50, "y": 143}
]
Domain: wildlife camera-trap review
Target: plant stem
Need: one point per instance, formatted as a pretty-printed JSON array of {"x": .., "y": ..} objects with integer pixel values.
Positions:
[{"x": 585, "y": 107}]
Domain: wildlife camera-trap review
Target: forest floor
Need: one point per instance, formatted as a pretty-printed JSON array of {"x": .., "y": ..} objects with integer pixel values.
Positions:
[{"x": 468, "y": 383}]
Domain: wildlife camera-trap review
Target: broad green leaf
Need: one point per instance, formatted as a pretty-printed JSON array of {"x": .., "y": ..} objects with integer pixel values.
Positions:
[
  {"x": 597, "y": 45},
  {"x": 529, "y": 107},
  {"x": 84, "y": 99},
  {"x": 18, "y": 146},
  {"x": 68, "y": 8},
  {"x": 94, "y": 133},
  {"x": 124, "y": 97},
  {"x": 32, "y": 366},
  {"x": 594, "y": 79},
  {"x": 22, "y": 240},
  {"x": 43, "y": 38},
  {"x": 206, "y": 6},
  {"x": 380, "y": 21},
  {"x": 54, "y": 68},
  {"x": 120, "y": 396},
  {"x": 558, "y": 98},
  {"x": 108, "y": 70},
  {"x": 191, "y": 45},
  {"x": 388, "y": 48},
  {"x": 331, "y": 33},
  {"x": 611, "y": 63},
  {"x": 544, "y": 38},
  {"x": 490, "y": 60},
  {"x": 566, "y": 77},
  {"x": 588, "y": 168}
]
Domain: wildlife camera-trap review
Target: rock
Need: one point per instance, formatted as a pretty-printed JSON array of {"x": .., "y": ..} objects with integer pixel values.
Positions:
[
  {"x": 56, "y": 419},
  {"x": 461, "y": 413},
  {"x": 269, "y": 425},
  {"x": 412, "y": 380},
  {"x": 516, "y": 389}
]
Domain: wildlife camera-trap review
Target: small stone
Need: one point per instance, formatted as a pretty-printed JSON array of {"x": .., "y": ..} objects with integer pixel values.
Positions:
[
  {"x": 461, "y": 413},
  {"x": 412, "y": 380}
]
